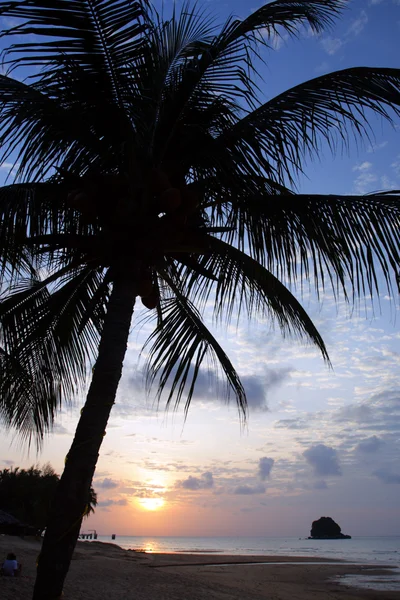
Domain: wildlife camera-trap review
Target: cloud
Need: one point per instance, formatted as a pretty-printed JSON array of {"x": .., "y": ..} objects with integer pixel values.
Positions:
[
  {"x": 358, "y": 24},
  {"x": 275, "y": 39},
  {"x": 265, "y": 465},
  {"x": 10, "y": 167},
  {"x": 364, "y": 166},
  {"x": 396, "y": 165},
  {"x": 358, "y": 413},
  {"x": 208, "y": 385},
  {"x": 106, "y": 484},
  {"x": 206, "y": 481},
  {"x": 385, "y": 476},
  {"x": 362, "y": 184},
  {"x": 248, "y": 490},
  {"x": 320, "y": 485},
  {"x": 323, "y": 459},
  {"x": 370, "y": 445},
  {"x": 111, "y": 502},
  {"x": 59, "y": 429},
  {"x": 7, "y": 165},
  {"x": 332, "y": 45},
  {"x": 375, "y": 147},
  {"x": 291, "y": 424},
  {"x": 322, "y": 67}
]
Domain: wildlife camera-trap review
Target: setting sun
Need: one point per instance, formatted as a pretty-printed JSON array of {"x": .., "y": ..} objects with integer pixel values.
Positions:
[{"x": 152, "y": 503}]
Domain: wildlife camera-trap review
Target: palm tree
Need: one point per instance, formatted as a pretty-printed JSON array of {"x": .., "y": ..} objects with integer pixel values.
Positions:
[{"x": 146, "y": 165}]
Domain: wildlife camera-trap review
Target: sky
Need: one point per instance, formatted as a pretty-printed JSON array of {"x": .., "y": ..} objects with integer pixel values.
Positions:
[{"x": 318, "y": 440}]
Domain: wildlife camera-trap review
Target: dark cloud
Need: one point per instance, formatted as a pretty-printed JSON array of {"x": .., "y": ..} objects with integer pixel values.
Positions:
[
  {"x": 248, "y": 490},
  {"x": 265, "y": 465},
  {"x": 206, "y": 481},
  {"x": 359, "y": 413},
  {"x": 106, "y": 483},
  {"x": 258, "y": 387},
  {"x": 209, "y": 388},
  {"x": 370, "y": 445},
  {"x": 380, "y": 415},
  {"x": 320, "y": 485},
  {"x": 111, "y": 502},
  {"x": 386, "y": 476},
  {"x": 323, "y": 460}
]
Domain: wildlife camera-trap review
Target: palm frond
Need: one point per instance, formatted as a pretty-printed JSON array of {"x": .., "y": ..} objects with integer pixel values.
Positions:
[
  {"x": 332, "y": 107},
  {"x": 47, "y": 342},
  {"x": 345, "y": 239},
  {"x": 177, "y": 348},
  {"x": 28, "y": 212},
  {"x": 244, "y": 285},
  {"x": 41, "y": 124},
  {"x": 100, "y": 35},
  {"x": 224, "y": 66}
]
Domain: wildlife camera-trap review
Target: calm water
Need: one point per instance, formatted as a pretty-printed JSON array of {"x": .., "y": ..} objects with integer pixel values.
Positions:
[{"x": 375, "y": 550}]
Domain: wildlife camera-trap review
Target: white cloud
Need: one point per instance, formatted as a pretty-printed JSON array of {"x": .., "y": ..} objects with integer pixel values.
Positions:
[
  {"x": 10, "y": 167},
  {"x": 332, "y": 45},
  {"x": 388, "y": 184},
  {"x": 275, "y": 39},
  {"x": 375, "y": 147},
  {"x": 396, "y": 165},
  {"x": 358, "y": 24},
  {"x": 365, "y": 166},
  {"x": 364, "y": 183},
  {"x": 324, "y": 66}
]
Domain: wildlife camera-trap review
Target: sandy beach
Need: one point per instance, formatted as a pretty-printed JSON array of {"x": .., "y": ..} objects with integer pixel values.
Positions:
[{"x": 105, "y": 571}]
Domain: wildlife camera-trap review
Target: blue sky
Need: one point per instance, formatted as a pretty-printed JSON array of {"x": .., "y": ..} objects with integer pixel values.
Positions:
[{"x": 318, "y": 441}]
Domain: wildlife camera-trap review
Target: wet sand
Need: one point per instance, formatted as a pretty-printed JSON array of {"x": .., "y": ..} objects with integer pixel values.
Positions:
[{"x": 106, "y": 572}]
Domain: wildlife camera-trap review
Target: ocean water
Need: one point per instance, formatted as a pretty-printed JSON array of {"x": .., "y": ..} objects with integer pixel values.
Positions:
[{"x": 367, "y": 550}]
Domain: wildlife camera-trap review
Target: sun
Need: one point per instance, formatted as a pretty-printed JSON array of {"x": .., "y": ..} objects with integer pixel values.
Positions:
[{"x": 152, "y": 503}]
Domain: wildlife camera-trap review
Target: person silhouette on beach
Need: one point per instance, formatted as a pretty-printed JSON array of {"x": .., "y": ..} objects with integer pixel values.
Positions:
[{"x": 10, "y": 567}]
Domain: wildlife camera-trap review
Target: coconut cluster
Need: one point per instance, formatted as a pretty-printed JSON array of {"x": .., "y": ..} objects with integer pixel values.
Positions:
[{"x": 156, "y": 213}]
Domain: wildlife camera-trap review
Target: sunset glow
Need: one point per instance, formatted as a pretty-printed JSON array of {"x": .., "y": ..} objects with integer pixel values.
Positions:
[{"x": 151, "y": 503}]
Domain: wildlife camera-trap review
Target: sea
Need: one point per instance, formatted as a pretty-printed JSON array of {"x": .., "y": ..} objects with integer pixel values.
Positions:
[
  {"x": 376, "y": 551},
  {"x": 367, "y": 550}
]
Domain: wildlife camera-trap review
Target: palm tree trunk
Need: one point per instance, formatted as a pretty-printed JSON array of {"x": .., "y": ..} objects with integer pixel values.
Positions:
[{"x": 71, "y": 498}]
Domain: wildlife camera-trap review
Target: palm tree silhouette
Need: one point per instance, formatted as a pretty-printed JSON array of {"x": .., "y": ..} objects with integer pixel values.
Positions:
[{"x": 146, "y": 165}]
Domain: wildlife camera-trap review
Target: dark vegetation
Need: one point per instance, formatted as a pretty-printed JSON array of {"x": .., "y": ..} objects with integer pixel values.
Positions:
[{"x": 26, "y": 495}]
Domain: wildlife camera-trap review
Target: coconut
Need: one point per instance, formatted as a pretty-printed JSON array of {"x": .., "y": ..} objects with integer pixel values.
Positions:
[
  {"x": 145, "y": 287},
  {"x": 150, "y": 301}
]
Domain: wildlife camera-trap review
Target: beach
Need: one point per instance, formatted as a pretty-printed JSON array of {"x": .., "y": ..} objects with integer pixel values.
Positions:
[{"x": 106, "y": 571}]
